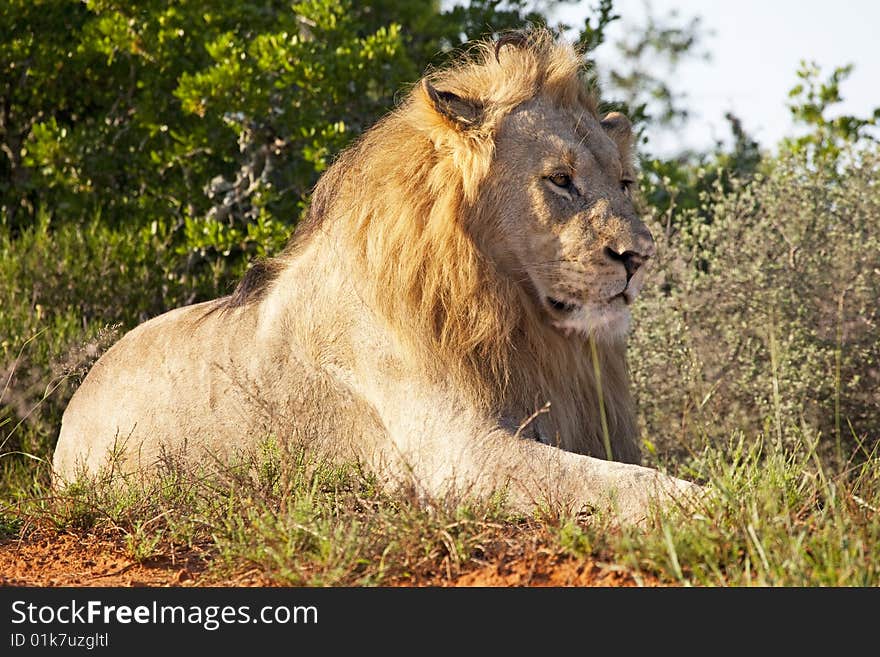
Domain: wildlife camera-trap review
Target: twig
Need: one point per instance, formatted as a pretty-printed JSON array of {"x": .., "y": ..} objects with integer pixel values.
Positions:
[{"x": 544, "y": 409}]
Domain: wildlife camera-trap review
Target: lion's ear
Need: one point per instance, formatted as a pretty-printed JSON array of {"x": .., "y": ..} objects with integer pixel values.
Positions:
[
  {"x": 619, "y": 128},
  {"x": 463, "y": 113}
]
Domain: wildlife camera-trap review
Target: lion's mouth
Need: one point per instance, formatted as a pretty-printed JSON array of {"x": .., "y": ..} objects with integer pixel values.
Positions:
[
  {"x": 570, "y": 307},
  {"x": 564, "y": 307}
]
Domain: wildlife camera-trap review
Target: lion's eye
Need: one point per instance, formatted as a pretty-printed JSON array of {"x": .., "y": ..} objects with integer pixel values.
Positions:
[
  {"x": 560, "y": 180},
  {"x": 626, "y": 185}
]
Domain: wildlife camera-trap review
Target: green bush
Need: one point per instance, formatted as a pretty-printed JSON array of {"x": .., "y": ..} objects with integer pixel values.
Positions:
[
  {"x": 762, "y": 313},
  {"x": 203, "y": 110}
]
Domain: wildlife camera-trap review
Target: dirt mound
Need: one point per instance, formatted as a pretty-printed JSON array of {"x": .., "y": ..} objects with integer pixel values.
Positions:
[
  {"x": 66, "y": 559},
  {"x": 551, "y": 570},
  {"x": 71, "y": 560},
  {"x": 537, "y": 566}
]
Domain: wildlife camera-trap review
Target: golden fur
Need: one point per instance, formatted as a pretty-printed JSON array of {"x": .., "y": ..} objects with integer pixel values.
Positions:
[{"x": 443, "y": 289}]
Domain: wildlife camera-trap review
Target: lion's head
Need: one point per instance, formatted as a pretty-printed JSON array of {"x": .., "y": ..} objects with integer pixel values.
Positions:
[
  {"x": 553, "y": 207},
  {"x": 491, "y": 218},
  {"x": 572, "y": 234}
]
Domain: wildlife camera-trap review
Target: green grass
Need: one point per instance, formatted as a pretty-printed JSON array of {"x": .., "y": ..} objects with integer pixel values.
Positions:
[
  {"x": 777, "y": 518},
  {"x": 774, "y": 517}
]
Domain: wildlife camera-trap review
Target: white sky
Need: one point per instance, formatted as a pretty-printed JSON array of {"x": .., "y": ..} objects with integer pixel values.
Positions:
[{"x": 756, "y": 47}]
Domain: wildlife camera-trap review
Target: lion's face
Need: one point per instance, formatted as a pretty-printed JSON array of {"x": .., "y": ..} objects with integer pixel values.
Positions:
[{"x": 570, "y": 232}]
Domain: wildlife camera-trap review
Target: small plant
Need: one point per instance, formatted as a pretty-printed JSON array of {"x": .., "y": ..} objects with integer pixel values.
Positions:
[{"x": 142, "y": 541}]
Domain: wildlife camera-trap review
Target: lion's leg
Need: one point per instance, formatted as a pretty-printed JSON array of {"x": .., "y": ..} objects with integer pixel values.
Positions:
[
  {"x": 538, "y": 475},
  {"x": 448, "y": 453}
]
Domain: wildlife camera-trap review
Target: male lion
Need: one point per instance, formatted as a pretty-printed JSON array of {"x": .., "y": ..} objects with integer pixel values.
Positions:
[{"x": 452, "y": 314}]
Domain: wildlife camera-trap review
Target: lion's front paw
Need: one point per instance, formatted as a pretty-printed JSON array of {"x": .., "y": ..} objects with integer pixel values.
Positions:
[{"x": 651, "y": 491}]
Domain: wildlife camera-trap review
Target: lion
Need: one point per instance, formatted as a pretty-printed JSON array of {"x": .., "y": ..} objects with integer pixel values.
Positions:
[{"x": 451, "y": 314}]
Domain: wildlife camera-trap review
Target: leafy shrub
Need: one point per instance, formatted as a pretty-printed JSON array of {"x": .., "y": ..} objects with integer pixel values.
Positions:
[{"x": 763, "y": 314}]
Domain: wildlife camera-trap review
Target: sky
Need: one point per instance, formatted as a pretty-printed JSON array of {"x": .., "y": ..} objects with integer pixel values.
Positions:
[{"x": 756, "y": 47}]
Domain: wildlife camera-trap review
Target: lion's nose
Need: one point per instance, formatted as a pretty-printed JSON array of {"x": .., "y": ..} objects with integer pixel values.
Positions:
[{"x": 630, "y": 259}]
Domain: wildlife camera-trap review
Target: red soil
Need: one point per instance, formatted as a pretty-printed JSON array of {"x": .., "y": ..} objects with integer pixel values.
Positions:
[{"x": 64, "y": 559}]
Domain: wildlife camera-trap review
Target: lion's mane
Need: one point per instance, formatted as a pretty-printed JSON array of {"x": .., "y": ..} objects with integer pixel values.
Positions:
[{"x": 411, "y": 194}]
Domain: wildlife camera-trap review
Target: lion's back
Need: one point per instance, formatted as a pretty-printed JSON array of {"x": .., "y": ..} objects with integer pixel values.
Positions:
[{"x": 136, "y": 388}]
